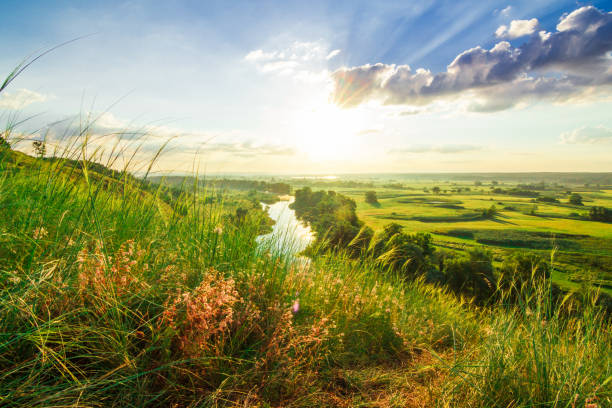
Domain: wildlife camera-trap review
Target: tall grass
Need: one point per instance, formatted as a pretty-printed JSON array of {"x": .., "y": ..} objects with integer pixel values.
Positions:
[{"x": 111, "y": 295}]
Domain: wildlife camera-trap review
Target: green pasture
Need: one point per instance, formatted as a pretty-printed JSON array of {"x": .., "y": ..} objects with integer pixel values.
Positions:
[{"x": 521, "y": 223}]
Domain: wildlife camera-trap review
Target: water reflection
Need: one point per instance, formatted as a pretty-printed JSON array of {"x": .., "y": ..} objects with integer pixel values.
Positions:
[{"x": 289, "y": 235}]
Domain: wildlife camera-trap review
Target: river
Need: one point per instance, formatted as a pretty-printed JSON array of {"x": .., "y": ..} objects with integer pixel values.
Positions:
[{"x": 289, "y": 235}]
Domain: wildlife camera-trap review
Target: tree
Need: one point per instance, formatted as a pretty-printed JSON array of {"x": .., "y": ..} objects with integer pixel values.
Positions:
[
  {"x": 40, "y": 148},
  {"x": 436, "y": 190},
  {"x": 370, "y": 197},
  {"x": 524, "y": 267},
  {"x": 490, "y": 212},
  {"x": 600, "y": 214},
  {"x": 494, "y": 182},
  {"x": 575, "y": 199},
  {"x": 478, "y": 183},
  {"x": 471, "y": 275}
]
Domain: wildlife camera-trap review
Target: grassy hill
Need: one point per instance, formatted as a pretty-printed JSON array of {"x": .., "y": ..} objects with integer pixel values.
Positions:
[{"x": 114, "y": 293}]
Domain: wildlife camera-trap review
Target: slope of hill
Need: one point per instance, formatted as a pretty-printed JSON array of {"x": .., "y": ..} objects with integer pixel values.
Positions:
[{"x": 111, "y": 297}]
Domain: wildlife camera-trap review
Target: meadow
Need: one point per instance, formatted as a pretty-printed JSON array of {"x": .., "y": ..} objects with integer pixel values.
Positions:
[
  {"x": 119, "y": 292},
  {"x": 454, "y": 217},
  {"x": 118, "y": 288}
]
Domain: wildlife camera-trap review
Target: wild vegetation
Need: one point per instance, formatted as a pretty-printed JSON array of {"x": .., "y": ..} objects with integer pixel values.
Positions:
[
  {"x": 115, "y": 291},
  {"x": 112, "y": 297}
]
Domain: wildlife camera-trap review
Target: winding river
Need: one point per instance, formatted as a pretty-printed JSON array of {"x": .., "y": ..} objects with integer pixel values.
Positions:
[{"x": 289, "y": 235}]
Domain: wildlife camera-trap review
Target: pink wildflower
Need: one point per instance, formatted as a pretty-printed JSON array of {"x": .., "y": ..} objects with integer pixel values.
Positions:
[{"x": 296, "y": 306}]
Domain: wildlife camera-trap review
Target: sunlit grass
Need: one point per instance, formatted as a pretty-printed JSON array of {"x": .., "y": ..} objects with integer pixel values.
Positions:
[{"x": 111, "y": 295}]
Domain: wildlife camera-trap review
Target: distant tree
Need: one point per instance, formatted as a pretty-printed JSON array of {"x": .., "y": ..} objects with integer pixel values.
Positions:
[
  {"x": 547, "y": 199},
  {"x": 478, "y": 183},
  {"x": 370, "y": 197},
  {"x": 575, "y": 199},
  {"x": 436, "y": 190},
  {"x": 489, "y": 212},
  {"x": 494, "y": 183},
  {"x": 40, "y": 148},
  {"x": 600, "y": 214}
]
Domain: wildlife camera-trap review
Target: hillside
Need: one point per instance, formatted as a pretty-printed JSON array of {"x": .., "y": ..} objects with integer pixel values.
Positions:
[{"x": 113, "y": 297}]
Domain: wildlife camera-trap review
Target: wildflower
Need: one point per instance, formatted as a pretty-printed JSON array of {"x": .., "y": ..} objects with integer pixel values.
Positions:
[
  {"x": 202, "y": 317},
  {"x": 296, "y": 306},
  {"x": 40, "y": 233},
  {"x": 218, "y": 230},
  {"x": 98, "y": 275}
]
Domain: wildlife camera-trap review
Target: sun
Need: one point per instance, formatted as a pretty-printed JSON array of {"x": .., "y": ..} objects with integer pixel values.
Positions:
[{"x": 327, "y": 132}]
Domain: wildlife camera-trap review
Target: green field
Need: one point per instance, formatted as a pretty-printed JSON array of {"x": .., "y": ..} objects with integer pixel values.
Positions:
[{"x": 583, "y": 248}]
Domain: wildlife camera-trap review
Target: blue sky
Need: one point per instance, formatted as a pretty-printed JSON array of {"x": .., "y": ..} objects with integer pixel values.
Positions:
[{"x": 257, "y": 86}]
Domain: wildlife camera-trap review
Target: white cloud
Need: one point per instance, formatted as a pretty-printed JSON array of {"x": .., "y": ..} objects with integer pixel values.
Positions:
[
  {"x": 104, "y": 127},
  {"x": 248, "y": 149},
  {"x": 588, "y": 135},
  {"x": 305, "y": 61},
  {"x": 506, "y": 11},
  {"x": 259, "y": 55},
  {"x": 501, "y": 77},
  {"x": 20, "y": 99},
  {"x": 332, "y": 54},
  {"x": 518, "y": 28}
]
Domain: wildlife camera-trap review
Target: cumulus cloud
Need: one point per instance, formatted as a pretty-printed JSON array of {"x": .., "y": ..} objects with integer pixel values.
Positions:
[
  {"x": 20, "y": 99},
  {"x": 302, "y": 60},
  {"x": 588, "y": 135},
  {"x": 517, "y": 28},
  {"x": 445, "y": 149},
  {"x": 559, "y": 65}
]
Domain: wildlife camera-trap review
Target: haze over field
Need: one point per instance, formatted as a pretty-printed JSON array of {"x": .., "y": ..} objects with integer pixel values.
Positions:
[{"x": 326, "y": 87}]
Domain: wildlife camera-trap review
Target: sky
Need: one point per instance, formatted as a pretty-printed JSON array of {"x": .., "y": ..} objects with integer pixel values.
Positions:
[{"x": 319, "y": 87}]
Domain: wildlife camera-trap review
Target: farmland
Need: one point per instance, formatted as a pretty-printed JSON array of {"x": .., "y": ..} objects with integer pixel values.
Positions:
[{"x": 534, "y": 216}]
